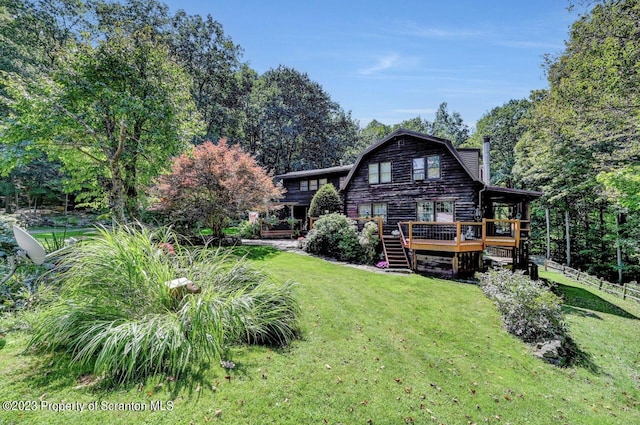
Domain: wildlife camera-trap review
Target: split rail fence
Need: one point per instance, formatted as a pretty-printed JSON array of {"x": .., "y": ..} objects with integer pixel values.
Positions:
[{"x": 626, "y": 290}]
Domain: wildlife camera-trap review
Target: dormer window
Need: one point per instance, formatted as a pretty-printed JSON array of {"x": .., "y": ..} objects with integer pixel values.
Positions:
[
  {"x": 418, "y": 169},
  {"x": 433, "y": 167},
  {"x": 379, "y": 172}
]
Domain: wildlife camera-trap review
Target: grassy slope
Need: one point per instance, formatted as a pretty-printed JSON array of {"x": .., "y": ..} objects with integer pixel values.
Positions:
[{"x": 379, "y": 347}]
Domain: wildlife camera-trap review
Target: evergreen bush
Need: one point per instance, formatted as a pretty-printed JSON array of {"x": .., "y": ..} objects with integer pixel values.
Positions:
[{"x": 325, "y": 201}]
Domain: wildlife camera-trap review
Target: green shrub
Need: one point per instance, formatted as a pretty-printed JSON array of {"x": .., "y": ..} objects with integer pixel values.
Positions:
[
  {"x": 8, "y": 244},
  {"x": 369, "y": 241},
  {"x": 325, "y": 201},
  {"x": 529, "y": 310},
  {"x": 248, "y": 230},
  {"x": 21, "y": 290},
  {"x": 336, "y": 236},
  {"x": 116, "y": 315}
]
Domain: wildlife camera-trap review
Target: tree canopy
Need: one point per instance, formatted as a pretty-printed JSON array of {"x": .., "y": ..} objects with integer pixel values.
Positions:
[
  {"x": 581, "y": 146},
  {"x": 292, "y": 123},
  {"x": 213, "y": 183}
]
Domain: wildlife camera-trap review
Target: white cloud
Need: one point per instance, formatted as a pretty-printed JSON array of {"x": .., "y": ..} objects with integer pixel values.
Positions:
[
  {"x": 382, "y": 63},
  {"x": 389, "y": 61}
]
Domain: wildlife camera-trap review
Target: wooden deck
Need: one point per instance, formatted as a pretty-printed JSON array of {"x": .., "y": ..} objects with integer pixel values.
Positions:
[
  {"x": 444, "y": 246},
  {"x": 462, "y": 236}
]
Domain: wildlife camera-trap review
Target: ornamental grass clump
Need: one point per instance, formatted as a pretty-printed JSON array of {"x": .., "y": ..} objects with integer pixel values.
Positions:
[
  {"x": 116, "y": 315},
  {"x": 529, "y": 310}
]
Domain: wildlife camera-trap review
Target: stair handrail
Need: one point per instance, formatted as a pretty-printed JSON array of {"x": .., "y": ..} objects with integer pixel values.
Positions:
[{"x": 404, "y": 240}]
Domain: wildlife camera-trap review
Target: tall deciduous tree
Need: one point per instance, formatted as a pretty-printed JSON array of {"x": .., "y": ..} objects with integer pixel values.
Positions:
[
  {"x": 449, "y": 126},
  {"x": 505, "y": 126},
  {"x": 220, "y": 82},
  {"x": 585, "y": 128},
  {"x": 115, "y": 109},
  {"x": 213, "y": 183},
  {"x": 293, "y": 124}
]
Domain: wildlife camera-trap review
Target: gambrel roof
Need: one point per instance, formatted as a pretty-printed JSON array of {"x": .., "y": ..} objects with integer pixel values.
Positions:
[{"x": 397, "y": 135}]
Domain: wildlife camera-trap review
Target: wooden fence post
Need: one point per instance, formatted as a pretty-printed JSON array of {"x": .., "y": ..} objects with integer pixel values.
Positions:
[
  {"x": 624, "y": 291},
  {"x": 600, "y": 285}
]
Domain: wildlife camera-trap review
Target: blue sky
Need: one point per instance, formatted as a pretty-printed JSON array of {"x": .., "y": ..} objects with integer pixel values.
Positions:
[{"x": 393, "y": 61}]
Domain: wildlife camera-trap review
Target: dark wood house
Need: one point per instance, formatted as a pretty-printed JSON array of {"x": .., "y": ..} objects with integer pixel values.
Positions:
[
  {"x": 438, "y": 213},
  {"x": 302, "y": 185}
]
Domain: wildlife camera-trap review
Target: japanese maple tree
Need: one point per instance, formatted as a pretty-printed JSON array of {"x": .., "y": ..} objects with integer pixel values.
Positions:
[{"x": 213, "y": 183}]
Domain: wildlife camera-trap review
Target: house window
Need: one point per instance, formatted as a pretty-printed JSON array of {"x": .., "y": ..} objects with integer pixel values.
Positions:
[
  {"x": 444, "y": 211},
  {"x": 304, "y": 185},
  {"x": 438, "y": 211},
  {"x": 433, "y": 167},
  {"x": 380, "y": 210},
  {"x": 374, "y": 173},
  {"x": 373, "y": 210},
  {"x": 364, "y": 210},
  {"x": 418, "y": 169},
  {"x": 322, "y": 182},
  {"x": 379, "y": 172},
  {"x": 313, "y": 184},
  {"x": 425, "y": 211}
]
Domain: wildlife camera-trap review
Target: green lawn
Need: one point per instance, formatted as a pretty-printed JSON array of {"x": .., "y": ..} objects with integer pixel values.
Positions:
[{"x": 376, "y": 348}]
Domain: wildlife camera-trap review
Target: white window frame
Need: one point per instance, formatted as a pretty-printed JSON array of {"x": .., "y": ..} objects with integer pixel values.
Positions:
[
  {"x": 433, "y": 172},
  {"x": 419, "y": 170}
]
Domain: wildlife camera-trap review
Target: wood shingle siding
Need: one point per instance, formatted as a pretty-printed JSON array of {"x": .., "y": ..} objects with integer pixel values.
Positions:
[{"x": 401, "y": 195}]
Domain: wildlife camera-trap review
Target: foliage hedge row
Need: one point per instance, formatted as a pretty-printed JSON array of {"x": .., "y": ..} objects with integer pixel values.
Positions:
[{"x": 335, "y": 235}]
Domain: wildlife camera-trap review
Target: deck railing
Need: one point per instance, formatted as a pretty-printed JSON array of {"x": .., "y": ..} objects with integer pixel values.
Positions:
[{"x": 488, "y": 232}]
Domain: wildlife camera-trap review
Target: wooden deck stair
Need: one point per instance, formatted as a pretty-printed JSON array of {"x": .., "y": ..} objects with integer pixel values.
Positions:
[{"x": 394, "y": 253}]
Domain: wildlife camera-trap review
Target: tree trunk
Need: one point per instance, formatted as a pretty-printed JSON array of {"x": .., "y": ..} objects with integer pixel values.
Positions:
[
  {"x": 117, "y": 196},
  {"x": 567, "y": 237},
  {"x": 548, "y": 220}
]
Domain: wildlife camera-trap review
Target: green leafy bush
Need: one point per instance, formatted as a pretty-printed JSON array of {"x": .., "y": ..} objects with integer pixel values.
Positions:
[
  {"x": 325, "y": 201},
  {"x": 248, "y": 230},
  {"x": 116, "y": 314},
  {"x": 369, "y": 241},
  {"x": 8, "y": 243},
  {"x": 21, "y": 290},
  {"x": 529, "y": 310},
  {"x": 336, "y": 236}
]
